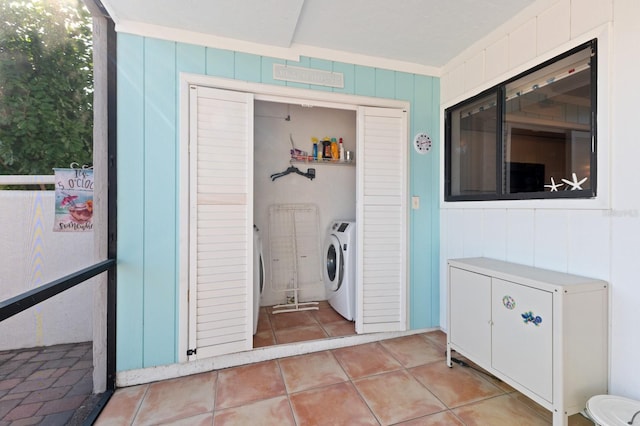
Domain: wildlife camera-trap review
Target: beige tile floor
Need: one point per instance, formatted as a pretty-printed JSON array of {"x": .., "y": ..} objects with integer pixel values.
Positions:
[
  {"x": 290, "y": 327},
  {"x": 402, "y": 381}
]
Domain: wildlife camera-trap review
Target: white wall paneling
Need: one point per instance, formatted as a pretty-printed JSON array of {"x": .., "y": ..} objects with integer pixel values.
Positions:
[
  {"x": 494, "y": 233},
  {"x": 588, "y": 243},
  {"x": 474, "y": 71},
  {"x": 625, "y": 213},
  {"x": 454, "y": 232},
  {"x": 496, "y": 59},
  {"x": 553, "y": 26},
  {"x": 625, "y": 345},
  {"x": 522, "y": 46},
  {"x": 453, "y": 85},
  {"x": 584, "y": 237},
  {"x": 551, "y": 234},
  {"x": 520, "y": 236},
  {"x": 472, "y": 233},
  {"x": 589, "y": 14}
]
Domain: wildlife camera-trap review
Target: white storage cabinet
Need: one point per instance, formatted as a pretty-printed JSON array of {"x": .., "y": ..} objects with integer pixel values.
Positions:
[{"x": 542, "y": 332}]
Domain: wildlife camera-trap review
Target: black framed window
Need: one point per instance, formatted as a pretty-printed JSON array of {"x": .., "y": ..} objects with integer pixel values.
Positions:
[{"x": 533, "y": 136}]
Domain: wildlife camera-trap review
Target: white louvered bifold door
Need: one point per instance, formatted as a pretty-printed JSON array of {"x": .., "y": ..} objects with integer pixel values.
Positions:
[
  {"x": 220, "y": 221},
  {"x": 381, "y": 292}
]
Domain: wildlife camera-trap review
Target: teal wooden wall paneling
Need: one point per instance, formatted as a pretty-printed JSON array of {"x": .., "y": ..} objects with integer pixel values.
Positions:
[
  {"x": 404, "y": 89},
  {"x": 129, "y": 347},
  {"x": 365, "y": 81},
  {"x": 418, "y": 245},
  {"x": 385, "y": 83},
  {"x": 148, "y": 149},
  {"x": 247, "y": 67},
  {"x": 161, "y": 203},
  {"x": 435, "y": 207},
  {"x": 348, "y": 74},
  {"x": 220, "y": 63},
  {"x": 190, "y": 59},
  {"x": 421, "y": 232},
  {"x": 267, "y": 71}
]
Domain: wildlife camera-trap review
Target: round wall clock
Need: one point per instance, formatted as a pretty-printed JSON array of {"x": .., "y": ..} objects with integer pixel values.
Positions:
[{"x": 422, "y": 143}]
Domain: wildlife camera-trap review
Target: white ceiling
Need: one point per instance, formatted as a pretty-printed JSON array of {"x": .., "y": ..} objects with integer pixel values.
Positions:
[{"x": 423, "y": 32}]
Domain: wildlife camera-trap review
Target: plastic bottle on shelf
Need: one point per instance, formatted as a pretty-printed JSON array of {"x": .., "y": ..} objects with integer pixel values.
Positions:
[
  {"x": 335, "y": 151},
  {"x": 314, "y": 153},
  {"x": 326, "y": 148},
  {"x": 341, "y": 151}
]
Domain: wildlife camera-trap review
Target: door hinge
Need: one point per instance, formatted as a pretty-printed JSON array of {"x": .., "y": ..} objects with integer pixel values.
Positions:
[{"x": 191, "y": 352}]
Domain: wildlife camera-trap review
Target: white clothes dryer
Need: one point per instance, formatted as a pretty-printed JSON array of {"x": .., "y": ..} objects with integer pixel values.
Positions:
[
  {"x": 258, "y": 276},
  {"x": 340, "y": 267}
]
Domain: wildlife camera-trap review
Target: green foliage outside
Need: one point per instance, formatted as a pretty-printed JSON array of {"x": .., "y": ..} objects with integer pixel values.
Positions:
[{"x": 46, "y": 86}]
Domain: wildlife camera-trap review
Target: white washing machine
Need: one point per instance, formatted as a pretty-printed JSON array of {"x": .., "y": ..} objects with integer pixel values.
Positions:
[
  {"x": 258, "y": 276},
  {"x": 340, "y": 267}
]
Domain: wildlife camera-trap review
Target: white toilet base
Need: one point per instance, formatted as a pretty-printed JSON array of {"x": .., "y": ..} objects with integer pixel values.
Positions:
[{"x": 610, "y": 410}]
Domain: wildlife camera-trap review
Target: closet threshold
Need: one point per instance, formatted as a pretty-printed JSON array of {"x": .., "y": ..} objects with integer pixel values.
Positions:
[{"x": 295, "y": 307}]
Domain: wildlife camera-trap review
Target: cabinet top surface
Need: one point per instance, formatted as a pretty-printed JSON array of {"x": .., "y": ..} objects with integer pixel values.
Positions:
[{"x": 523, "y": 273}]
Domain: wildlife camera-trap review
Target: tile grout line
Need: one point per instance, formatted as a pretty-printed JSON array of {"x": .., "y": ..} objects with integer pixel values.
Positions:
[
  {"x": 407, "y": 370},
  {"x": 287, "y": 394},
  {"x": 137, "y": 412}
]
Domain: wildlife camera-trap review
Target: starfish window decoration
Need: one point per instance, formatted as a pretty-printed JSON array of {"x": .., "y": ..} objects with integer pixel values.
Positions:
[
  {"x": 575, "y": 184},
  {"x": 554, "y": 186}
]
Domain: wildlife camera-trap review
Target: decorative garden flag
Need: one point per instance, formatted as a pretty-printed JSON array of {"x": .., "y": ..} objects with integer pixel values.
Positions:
[{"x": 74, "y": 200}]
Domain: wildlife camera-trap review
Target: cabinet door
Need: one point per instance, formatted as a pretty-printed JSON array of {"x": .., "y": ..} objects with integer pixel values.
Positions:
[
  {"x": 522, "y": 335},
  {"x": 470, "y": 314},
  {"x": 381, "y": 289},
  {"x": 221, "y": 218}
]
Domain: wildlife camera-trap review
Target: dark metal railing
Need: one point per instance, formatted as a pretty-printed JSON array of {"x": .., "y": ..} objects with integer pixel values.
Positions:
[
  {"x": 26, "y": 300},
  {"x": 17, "y": 304}
]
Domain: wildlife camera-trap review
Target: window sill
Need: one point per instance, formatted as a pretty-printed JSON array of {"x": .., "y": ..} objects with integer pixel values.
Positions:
[{"x": 597, "y": 203}]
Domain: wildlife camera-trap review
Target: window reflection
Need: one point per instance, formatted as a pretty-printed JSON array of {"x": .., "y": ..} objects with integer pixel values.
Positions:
[
  {"x": 547, "y": 127},
  {"x": 473, "y": 148},
  {"x": 532, "y": 137}
]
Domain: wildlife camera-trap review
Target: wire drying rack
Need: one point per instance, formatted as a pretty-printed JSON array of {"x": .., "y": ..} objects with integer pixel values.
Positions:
[{"x": 295, "y": 253}]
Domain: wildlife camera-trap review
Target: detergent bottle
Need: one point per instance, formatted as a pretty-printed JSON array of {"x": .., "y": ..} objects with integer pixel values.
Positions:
[
  {"x": 335, "y": 151},
  {"x": 326, "y": 148}
]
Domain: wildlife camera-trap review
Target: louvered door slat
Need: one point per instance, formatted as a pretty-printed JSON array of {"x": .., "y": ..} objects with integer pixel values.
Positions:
[
  {"x": 382, "y": 220},
  {"x": 221, "y": 179}
]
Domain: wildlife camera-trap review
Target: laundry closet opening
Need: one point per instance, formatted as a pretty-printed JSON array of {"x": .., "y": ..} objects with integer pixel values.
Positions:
[
  {"x": 294, "y": 213},
  {"x": 242, "y": 193}
]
